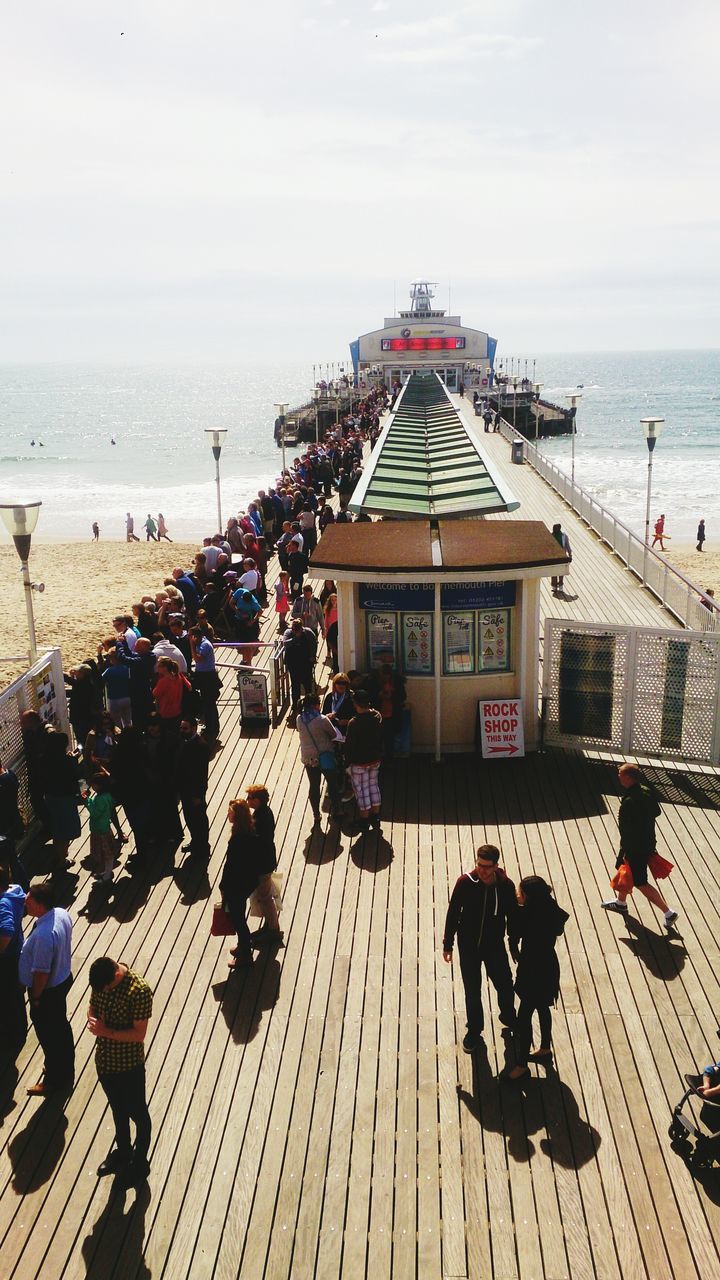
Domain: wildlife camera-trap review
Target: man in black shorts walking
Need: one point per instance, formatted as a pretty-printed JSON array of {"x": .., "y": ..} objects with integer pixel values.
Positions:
[{"x": 638, "y": 811}]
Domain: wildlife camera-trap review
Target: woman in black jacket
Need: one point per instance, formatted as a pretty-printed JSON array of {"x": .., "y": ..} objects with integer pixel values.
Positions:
[
  {"x": 240, "y": 877},
  {"x": 259, "y": 801},
  {"x": 537, "y": 980}
]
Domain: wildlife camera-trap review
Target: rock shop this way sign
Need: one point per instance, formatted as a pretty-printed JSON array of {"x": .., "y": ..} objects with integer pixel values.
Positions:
[{"x": 501, "y": 727}]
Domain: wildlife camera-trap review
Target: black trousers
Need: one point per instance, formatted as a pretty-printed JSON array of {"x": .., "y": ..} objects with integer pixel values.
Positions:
[
  {"x": 300, "y": 678},
  {"x": 207, "y": 685},
  {"x": 13, "y": 1013},
  {"x": 50, "y": 1020},
  {"x": 497, "y": 968},
  {"x": 523, "y": 1028},
  {"x": 125, "y": 1091},
  {"x": 236, "y": 908},
  {"x": 196, "y": 821}
]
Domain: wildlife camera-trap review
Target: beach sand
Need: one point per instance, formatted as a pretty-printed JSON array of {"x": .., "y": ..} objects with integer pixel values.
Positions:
[
  {"x": 86, "y": 585},
  {"x": 701, "y": 567}
]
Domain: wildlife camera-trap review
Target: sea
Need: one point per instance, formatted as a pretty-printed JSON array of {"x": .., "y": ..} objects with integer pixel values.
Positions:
[{"x": 93, "y": 442}]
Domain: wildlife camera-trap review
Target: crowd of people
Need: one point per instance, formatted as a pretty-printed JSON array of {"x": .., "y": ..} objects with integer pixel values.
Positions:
[{"x": 143, "y": 710}]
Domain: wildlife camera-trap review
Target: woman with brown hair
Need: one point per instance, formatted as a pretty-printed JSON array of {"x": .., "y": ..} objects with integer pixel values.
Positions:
[
  {"x": 240, "y": 877},
  {"x": 331, "y": 630},
  {"x": 259, "y": 800}
]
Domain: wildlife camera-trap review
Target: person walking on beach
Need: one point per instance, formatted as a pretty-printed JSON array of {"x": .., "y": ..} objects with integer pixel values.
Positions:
[
  {"x": 537, "y": 980},
  {"x": 95, "y": 531},
  {"x": 659, "y": 532},
  {"x": 638, "y": 810},
  {"x": 700, "y": 535},
  {"x": 45, "y": 971},
  {"x": 118, "y": 1015},
  {"x": 150, "y": 529},
  {"x": 162, "y": 528},
  {"x": 483, "y": 907},
  {"x": 130, "y": 535}
]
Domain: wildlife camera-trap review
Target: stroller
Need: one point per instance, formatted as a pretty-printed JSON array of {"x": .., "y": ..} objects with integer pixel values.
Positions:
[{"x": 701, "y": 1124}]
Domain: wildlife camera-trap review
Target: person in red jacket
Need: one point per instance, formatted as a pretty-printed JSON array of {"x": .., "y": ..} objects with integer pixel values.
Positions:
[{"x": 483, "y": 907}]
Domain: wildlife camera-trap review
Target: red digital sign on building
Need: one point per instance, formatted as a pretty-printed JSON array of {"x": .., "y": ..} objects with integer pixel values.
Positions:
[{"x": 422, "y": 344}]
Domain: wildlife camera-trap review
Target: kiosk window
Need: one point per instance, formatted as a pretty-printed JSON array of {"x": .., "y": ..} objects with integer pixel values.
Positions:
[{"x": 459, "y": 643}]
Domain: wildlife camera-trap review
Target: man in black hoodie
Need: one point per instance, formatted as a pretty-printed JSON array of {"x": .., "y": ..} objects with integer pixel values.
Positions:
[{"x": 482, "y": 908}]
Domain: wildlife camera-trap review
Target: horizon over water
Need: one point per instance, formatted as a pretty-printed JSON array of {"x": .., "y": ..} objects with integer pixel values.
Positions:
[{"x": 161, "y": 462}]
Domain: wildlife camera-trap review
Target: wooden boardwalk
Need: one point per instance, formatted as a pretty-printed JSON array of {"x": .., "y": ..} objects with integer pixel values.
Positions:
[{"x": 317, "y": 1118}]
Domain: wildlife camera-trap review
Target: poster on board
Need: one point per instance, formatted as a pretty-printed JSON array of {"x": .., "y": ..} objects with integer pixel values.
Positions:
[
  {"x": 417, "y": 644},
  {"x": 381, "y": 638},
  {"x": 459, "y": 643},
  {"x": 493, "y": 640},
  {"x": 253, "y": 691}
]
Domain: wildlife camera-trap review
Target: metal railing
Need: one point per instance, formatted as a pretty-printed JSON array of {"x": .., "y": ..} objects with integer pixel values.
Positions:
[
  {"x": 41, "y": 689},
  {"x": 681, "y": 597}
]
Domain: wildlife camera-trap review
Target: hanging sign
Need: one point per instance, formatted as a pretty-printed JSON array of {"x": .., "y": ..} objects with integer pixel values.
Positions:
[
  {"x": 417, "y": 644},
  {"x": 501, "y": 727},
  {"x": 253, "y": 690}
]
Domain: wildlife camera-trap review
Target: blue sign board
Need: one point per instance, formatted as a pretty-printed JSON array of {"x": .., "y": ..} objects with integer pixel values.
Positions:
[
  {"x": 402, "y": 597},
  {"x": 477, "y": 595}
]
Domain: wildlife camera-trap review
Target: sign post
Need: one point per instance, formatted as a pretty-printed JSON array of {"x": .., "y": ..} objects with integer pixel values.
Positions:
[
  {"x": 253, "y": 691},
  {"x": 501, "y": 728}
]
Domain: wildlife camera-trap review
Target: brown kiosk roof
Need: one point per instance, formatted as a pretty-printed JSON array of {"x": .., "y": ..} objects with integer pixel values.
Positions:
[{"x": 483, "y": 545}]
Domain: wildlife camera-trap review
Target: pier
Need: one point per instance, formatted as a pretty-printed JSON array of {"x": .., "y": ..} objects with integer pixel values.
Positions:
[{"x": 317, "y": 1117}]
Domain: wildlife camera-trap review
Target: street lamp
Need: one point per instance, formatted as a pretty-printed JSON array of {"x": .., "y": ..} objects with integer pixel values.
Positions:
[
  {"x": 20, "y": 520},
  {"x": 652, "y": 428},
  {"x": 537, "y": 388},
  {"x": 316, "y": 398},
  {"x": 337, "y": 405},
  {"x": 572, "y": 400},
  {"x": 515, "y": 387},
  {"x": 216, "y": 439},
  {"x": 282, "y": 410}
]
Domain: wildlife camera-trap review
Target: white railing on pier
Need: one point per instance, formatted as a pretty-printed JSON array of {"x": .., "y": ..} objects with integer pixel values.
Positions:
[
  {"x": 41, "y": 689},
  {"x": 678, "y": 594}
]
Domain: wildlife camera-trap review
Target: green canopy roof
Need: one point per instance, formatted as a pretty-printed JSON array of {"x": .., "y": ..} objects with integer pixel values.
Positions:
[{"x": 427, "y": 462}]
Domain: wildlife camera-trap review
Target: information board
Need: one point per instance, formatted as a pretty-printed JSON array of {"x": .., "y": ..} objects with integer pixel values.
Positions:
[
  {"x": 459, "y": 643},
  {"x": 253, "y": 691},
  {"x": 494, "y": 640},
  {"x": 392, "y": 595},
  {"x": 417, "y": 648},
  {"x": 477, "y": 595},
  {"x": 381, "y": 638},
  {"x": 501, "y": 727}
]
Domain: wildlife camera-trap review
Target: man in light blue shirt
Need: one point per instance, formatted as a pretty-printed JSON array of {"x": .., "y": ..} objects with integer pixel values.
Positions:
[{"x": 45, "y": 970}]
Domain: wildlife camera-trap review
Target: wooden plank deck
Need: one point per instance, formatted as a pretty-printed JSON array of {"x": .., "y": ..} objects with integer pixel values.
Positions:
[{"x": 316, "y": 1117}]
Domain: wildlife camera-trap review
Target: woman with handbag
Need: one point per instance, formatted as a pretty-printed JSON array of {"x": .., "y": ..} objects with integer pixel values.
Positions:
[
  {"x": 240, "y": 877},
  {"x": 317, "y": 752}
]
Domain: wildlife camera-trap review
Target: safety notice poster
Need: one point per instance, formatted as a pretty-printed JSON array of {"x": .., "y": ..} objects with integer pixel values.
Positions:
[{"x": 417, "y": 644}]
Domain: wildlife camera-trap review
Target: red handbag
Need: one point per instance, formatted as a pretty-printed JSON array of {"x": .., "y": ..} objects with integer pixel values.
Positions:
[
  {"x": 221, "y": 926},
  {"x": 659, "y": 866},
  {"x": 622, "y": 881}
]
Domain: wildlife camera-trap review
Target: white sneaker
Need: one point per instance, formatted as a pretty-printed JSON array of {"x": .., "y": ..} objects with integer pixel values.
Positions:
[
  {"x": 670, "y": 918},
  {"x": 612, "y": 904}
]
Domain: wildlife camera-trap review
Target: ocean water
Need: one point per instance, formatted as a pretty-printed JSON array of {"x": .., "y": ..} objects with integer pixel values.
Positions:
[{"x": 161, "y": 461}]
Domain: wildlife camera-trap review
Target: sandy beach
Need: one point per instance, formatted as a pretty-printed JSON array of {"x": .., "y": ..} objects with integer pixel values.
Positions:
[{"x": 86, "y": 585}]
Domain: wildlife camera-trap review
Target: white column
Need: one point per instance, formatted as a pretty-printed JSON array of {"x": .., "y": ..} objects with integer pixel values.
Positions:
[
  {"x": 438, "y": 674},
  {"x": 529, "y": 658},
  {"x": 347, "y": 628}
]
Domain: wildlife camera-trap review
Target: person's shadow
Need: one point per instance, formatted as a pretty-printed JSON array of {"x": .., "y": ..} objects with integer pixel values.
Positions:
[
  {"x": 372, "y": 852},
  {"x": 118, "y": 1232},
  {"x": 521, "y": 1111},
  {"x": 193, "y": 882},
  {"x": 321, "y": 847},
  {"x": 36, "y": 1150},
  {"x": 663, "y": 957},
  {"x": 246, "y": 994}
]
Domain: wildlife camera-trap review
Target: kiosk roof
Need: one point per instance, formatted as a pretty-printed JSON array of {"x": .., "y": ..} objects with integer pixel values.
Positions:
[{"x": 480, "y": 545}]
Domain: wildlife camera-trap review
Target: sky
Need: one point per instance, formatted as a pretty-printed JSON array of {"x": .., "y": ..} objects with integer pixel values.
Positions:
[{"x": 234, "y": 181}]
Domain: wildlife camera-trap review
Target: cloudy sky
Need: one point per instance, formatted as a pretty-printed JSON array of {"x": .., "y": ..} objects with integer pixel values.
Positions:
[{"x": 234, "y": 180}]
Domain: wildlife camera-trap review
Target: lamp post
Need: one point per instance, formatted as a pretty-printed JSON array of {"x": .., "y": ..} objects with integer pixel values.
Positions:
[
  {"x": 316, "y": 398},
  {"x": 572, "y": 400},
  {"x": 652, "y": 428},
  {"x": 515, "y": 387},
  {"x": 20, "y": 520},
  {"x": 282, "y": 410},
  {"x": 537, "y": 388},
  {"x": 216, "y": 439},
  {"x": 337, "y": 405}
]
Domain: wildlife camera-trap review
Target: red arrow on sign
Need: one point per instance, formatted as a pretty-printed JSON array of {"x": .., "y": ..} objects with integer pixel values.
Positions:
[{"x": 509, "y": 749}]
